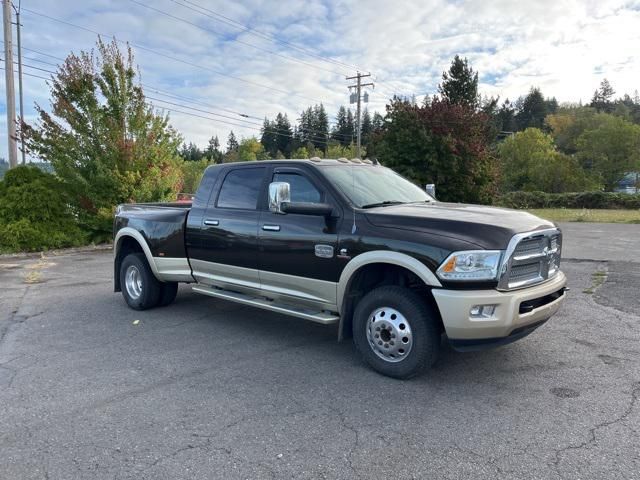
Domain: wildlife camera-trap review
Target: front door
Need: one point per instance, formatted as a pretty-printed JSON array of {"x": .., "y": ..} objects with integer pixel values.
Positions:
[
  {"x": 297, "y": 257},
  {"x": 228, "y": 252}
]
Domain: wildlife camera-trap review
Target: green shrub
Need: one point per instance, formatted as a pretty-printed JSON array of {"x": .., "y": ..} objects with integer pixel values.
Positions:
[
  {"x": 35, "y": 213},
  {"x": 590, "y": 200}
]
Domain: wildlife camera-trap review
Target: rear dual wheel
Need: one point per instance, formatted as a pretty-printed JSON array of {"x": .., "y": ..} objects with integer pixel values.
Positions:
[
  {"x": 140, "y": 288},
  {"x": 396, "y": 332}
]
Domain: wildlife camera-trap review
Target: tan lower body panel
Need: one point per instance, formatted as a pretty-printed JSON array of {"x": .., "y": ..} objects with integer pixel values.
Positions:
[
  {"x": 277, "y": 286},
  {"x": 173, "y": 269}
]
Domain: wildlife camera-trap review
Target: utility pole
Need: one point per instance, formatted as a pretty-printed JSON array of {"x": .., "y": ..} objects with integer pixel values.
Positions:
[
  {"x": 18, "y": 25},
  {"x": 11, "y": 94},
  {"x": 358, "y": 86}
]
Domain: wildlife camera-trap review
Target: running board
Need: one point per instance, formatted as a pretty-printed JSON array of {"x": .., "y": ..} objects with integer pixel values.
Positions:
[{"x": 315, "y": 316}]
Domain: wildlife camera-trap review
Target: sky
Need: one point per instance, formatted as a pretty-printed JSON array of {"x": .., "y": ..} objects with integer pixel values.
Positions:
[{"x": 257, "y": 58}]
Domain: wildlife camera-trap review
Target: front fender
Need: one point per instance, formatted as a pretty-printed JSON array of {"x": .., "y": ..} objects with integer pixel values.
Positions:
[{"x": 383, "y": 256}]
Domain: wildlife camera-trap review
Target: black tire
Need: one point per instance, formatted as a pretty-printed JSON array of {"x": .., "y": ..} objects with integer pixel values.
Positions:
[
  {"x": 168, "y": 292},
  {"x": 421, "y": 324},
  {"x": 148, "y": 288}
]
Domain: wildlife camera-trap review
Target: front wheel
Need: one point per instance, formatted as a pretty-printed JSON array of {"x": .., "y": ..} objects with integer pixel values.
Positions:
[{"x": 396, "y": 332}]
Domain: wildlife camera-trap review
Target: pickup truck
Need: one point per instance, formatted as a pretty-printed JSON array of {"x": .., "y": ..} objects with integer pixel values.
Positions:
[{"x": 352, "y": 243}]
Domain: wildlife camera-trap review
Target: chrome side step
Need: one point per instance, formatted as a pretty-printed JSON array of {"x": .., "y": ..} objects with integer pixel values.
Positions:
[{"x": 325, "y": 318}]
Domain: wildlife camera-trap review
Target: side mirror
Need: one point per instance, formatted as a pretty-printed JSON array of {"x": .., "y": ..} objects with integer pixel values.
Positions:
[
  {"x": 279, "y": 193},
  {"x": 280, "y": 202},
  {"x": 431, "y": 189}
]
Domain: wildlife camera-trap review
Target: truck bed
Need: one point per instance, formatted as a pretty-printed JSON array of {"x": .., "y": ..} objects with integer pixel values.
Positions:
[{"x": 161, "y": 224}]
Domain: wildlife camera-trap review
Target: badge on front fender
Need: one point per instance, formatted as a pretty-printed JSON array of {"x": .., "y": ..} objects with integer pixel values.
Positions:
[{"x": 324, "y": 251}]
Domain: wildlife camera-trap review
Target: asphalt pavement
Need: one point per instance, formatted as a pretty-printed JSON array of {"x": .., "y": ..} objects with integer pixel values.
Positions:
[{"x": 209, "y": 389}]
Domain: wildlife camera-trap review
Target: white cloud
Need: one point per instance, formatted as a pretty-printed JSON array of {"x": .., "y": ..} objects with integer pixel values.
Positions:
[{"x": 564, "y": 47}]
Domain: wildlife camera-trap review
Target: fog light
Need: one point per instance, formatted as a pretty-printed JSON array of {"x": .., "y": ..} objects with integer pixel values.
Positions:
[{"x": 482, "y": 311}]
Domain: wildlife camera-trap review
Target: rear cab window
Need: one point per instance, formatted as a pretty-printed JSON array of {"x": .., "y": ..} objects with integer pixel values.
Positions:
[{"x": 241, "y": 188}]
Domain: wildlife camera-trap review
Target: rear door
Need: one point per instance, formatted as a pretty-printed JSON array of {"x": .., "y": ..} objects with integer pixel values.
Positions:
[
  {"x": 228, "y": 252},
  {"x": 297, "y": 258}
]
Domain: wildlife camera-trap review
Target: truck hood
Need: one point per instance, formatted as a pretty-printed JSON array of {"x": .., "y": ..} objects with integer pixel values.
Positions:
[{"x": 488, "y": 227}]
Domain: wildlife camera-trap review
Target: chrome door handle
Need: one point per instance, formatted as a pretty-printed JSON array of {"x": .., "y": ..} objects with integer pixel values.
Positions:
[
  {"x": 271, "y": 228},
  {"x": 213, "y": 223}
]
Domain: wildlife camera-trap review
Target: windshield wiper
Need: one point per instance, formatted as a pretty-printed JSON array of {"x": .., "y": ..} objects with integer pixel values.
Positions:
[{"x": 382, "y": 204}]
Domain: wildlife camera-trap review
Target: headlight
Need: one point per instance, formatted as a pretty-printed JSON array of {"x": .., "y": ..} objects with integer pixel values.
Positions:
[{"x": 471, "y": 265}]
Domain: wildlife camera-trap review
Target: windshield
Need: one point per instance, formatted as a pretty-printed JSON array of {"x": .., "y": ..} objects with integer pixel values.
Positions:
[{"x": 373, "y": 186}]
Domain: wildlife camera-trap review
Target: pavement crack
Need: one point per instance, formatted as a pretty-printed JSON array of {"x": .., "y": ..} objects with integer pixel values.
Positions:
[
  {"x": 592, "y": 435},
  {"x": 12, "y": 318},
  {"x": 356, "y": 434}
]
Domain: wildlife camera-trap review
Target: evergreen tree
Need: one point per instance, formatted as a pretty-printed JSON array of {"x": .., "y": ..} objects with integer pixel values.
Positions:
[
  {"x": 378, "y": 122},
  {"x": 320, "y": 127},
  {"x": 602, "y": 97},
  {"x": 269, "y": 137},
  {"x": 285, "y": 135},
  {"x": 350, "y": 131},
  {"x": 213, "y": 150},
  {"x": 191, "y": 152},
  {"x": 533, "y": 110},
  {"x": 506, "y": 117},
  {"x": 305, "y": 126},
  {"x": 340, "y": 126},
  {"x": 232, "y": 143},
  {"x": 366, "y": 129},
  {"x": 460, "y": 84}
]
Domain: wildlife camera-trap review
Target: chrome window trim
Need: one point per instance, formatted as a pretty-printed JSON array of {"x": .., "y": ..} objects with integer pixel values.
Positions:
[{"x": 507, "y": 260}]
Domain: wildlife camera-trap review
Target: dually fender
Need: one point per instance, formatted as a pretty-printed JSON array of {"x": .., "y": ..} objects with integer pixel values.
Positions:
[
  {"x": 136, "y": 235},
  {"x": 383, "y": 256}
]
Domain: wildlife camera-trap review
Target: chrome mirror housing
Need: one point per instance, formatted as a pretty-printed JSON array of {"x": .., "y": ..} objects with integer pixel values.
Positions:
[
  {"x": 279, "y": 193},
  {"x": 431, "y": 189}
]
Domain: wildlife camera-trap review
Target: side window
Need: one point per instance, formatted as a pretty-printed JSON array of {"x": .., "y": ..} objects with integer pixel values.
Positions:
[
  {"x": 302, "y": 190},
  {"x": 241, "y": 188}
]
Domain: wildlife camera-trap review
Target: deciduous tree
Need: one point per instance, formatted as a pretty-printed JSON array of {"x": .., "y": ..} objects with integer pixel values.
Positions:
[
  {"x": 441, "y": 143},
  {"x": 105, "y": 142}
]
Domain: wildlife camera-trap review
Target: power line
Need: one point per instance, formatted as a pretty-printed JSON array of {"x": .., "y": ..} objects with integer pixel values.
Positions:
[
  {"x": 325, "y": 142},
  {"x": 196, "y": 101},
  {"x": 148, "y": 87},
  {"x": 42, "y": 53},
  {"x": 241, "y": 42},
  {"x": 200, "y": 110},
  {"x": 30, "y": 66},
  {"x": 41, "y": 61},
  {"x": 30, "y": 75},
  {"x": 217, "y": 72},
  {"x": 233, "y": 23},
  {"x": 317, "y": 133}
]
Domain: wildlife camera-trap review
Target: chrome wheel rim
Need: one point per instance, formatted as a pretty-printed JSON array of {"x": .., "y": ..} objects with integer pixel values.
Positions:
[
  {"x": 389, "y": 334},
  {"x": 133, "y": 282}
]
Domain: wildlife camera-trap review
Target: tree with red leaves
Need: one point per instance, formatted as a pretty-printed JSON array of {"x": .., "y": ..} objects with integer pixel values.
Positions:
[{"x": 443, "y": 143}]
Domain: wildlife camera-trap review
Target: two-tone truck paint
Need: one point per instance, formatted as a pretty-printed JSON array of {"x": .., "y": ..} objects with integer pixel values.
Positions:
[{"x": 347, "y": 242}]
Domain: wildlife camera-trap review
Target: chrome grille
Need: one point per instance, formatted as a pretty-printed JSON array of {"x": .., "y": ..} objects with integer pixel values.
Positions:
[
  {"x": 531, "y": 258},
  {"x": 522, "y": 272},
  {"x": 529, "y": 246}
]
